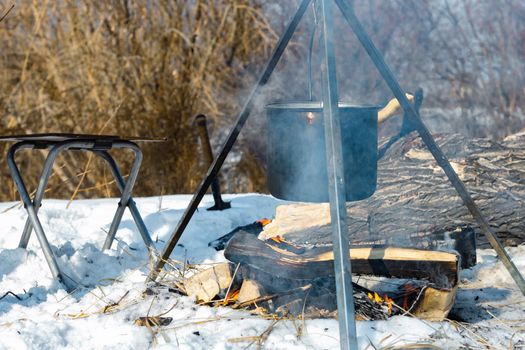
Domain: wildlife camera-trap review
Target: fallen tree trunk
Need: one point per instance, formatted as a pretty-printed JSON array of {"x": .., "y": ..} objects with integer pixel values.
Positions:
[{"x": 414, "y": 199}]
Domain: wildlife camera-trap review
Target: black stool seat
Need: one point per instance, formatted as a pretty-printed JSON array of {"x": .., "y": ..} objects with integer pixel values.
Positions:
[{"x": 60, "y": 137}]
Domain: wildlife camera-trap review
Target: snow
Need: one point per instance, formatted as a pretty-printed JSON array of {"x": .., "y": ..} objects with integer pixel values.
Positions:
[{"x": 47, "y": 317}]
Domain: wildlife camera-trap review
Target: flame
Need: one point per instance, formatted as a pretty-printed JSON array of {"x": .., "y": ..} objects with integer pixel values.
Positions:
[
  {"x": 376, "y": 298},
  {"x": 278, "y": 239},
  {"x": 264, "y": 222},
  {"x": 232, "y": 297},
  {"x": 310, "y": 117}
]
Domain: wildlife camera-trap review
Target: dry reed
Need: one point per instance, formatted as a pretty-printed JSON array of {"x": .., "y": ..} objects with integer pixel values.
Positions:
[{"x": 128, "y": 68}]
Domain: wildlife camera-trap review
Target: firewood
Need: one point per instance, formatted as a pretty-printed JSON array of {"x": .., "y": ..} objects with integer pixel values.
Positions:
[
  {"x": 274, "y": 296},
  {"x": 311, "y": 220},
  {"x": 440, "y": 268},
  {"x": 220, "y": 243},
  {"x": 429, "y": 294},
  {"x": 206, "y": 285},
  {"x": 434, "y": 304},
  {"x": 250, "y": 290}
]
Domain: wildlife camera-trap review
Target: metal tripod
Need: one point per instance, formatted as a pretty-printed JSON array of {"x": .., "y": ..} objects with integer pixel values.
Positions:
[{"x": 348, "y": 339}]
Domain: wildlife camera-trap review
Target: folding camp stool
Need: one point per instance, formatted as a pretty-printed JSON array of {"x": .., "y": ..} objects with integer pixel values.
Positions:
[{"x": 56, "y": 143}]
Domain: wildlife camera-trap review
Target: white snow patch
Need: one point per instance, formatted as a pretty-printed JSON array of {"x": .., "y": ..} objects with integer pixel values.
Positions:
[{"x": 47, "y": 317}]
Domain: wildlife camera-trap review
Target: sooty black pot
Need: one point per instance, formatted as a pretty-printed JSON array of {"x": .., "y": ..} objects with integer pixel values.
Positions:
[{"x": 296, "y": 151}]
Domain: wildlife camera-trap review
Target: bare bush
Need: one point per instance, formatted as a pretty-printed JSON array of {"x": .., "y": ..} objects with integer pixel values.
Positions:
[
  {"x": 468, "y": 55},
  {"x": 146, "y": 67},
  {"x": 128, "y": 68}
]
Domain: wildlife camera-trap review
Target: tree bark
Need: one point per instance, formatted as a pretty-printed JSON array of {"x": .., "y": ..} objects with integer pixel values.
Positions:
[{"x": 414, "y": 200}]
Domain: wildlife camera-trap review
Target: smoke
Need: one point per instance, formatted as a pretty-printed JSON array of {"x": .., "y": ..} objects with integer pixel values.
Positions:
[{"x": 409, "y": 53}]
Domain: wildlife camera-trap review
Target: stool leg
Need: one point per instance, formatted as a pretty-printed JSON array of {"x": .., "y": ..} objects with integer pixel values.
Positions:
[
  {"x": 50, "y": 258},
  {"x": 126, "y": 195},
  {"x": 121, "y": 184},
  {"x": 37, "y": 201}
]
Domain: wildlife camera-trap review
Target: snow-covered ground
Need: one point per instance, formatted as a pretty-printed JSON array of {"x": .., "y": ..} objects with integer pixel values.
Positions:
[{"x": 101, "y": 315}]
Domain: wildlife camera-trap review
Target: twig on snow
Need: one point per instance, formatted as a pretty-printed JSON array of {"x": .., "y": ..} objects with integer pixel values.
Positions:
[{"x": 9, "y": 292}]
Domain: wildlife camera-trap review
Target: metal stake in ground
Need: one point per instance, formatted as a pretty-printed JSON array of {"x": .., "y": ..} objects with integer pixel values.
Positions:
[{"x": 202, "y": 127}]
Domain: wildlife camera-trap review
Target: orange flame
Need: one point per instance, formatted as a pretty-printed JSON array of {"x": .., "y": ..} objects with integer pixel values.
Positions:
[
  {"x": 278, "y": 239},
  {"x": 376, "y": 298},
  {"x": 232, "y": 297},
  {"x": 264, "y": 222}
]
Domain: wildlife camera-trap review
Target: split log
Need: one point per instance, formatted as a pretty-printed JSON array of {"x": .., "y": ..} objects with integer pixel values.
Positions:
[
  {"x": 414, "y": 199},
  {"x": 250, "y": 290},
  {"x": 439, "y": 268},
  {"x": 207, "y": 284},
  {"x": 280, "y": 270}
]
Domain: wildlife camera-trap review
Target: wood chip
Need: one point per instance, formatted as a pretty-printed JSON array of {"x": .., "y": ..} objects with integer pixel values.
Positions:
[
  {"x": 206, "y": 285},
  {"x": 153, "y": 321}
]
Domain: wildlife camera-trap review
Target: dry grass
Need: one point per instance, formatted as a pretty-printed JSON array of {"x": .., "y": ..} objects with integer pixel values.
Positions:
[
  {"x": 128, "y": 68},
  {"x": 146, "y": 67}
]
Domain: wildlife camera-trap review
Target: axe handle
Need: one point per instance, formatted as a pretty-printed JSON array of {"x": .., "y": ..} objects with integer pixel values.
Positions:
[{"x": 392, "y": 108}]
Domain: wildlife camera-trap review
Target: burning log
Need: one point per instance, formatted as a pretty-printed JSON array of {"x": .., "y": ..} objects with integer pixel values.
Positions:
[
  {"x": 439, "y": 268},
  {"x": 291, "y": 280}
]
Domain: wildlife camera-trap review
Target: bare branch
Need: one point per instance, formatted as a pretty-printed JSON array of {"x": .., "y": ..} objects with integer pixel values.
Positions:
[{"x": 7, "y": 12}]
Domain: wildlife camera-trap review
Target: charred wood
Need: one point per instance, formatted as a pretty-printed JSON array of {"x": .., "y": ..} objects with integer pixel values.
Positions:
[
  {"x": 304, "y": 284},
  {"x": 439, "y": 268}
]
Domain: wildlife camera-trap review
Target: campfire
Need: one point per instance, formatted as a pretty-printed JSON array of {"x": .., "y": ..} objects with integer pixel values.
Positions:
[
  {"x": 271, "y": 276},
  {"x": 331, "y": 158}
]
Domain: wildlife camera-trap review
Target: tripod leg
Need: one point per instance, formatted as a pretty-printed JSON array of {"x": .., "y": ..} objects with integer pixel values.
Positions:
[
  {"x": 337, "y": 188},
  {"x": 427, "y": 138},
  {"x": 201, "y": 123},
  {"x": 228, "y": 144}
]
